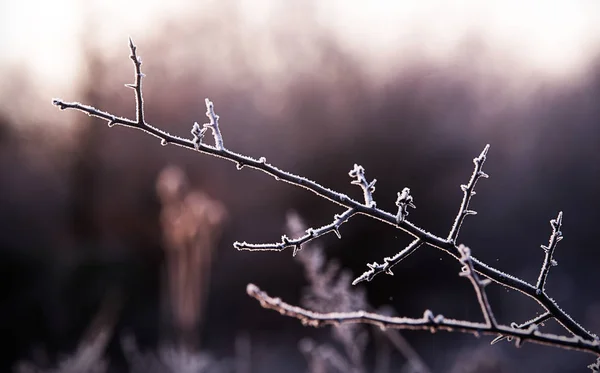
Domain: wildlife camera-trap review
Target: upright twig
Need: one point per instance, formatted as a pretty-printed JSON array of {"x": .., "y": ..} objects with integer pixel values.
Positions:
[
  {"x": 549, "y": 261},
  {"x": 478, "y": 285},
  {"x": 469, "y": 192}
]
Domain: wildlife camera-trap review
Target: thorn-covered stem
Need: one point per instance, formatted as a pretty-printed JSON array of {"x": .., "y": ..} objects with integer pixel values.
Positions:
[
  {"x": 468, "y": 193},
  {"x": 137, "y": 86},
  {"x": 367, "y": 208},
  {"x": 213, "y": 124},
  {"x": 388, "y": 263},
  {"x": 535, "y": 321},
  {"x": 549, "y": 261},
  {"x": 368, "y": 188},
  {"x": 478, "y": 284},
  {"x": 298, "y": 242},
  {"x": 429, "y": 321}
]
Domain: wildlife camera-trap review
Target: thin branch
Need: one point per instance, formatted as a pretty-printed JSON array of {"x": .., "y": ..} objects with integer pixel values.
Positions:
[
  {"x": 388, "y": 262},
  {"x": 469, "y": 192},
  {"x": 358, "y": 173},
  {"x": 297, "y": 243},
  {"x": 549, "y": 261},
  {"x": 535, "y": 321},
  {"x": 341, "y": 199},
  {"x": 478, "y": 285},
  {"x": 427, "y": 322},
  {"x": 137, "y": 86}
]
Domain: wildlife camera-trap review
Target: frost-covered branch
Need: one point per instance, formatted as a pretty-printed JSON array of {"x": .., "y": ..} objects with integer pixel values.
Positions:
[
  {"x": 535, "y": 321},
  {"x": 549, "y": 261},
  {"x": 469, "y": 192},
  {"x": 478, "y": 284},
  {"x": 367, "y": 207},
  {"x": 297, "y": 243},
  {"x": 388, "y": 262},
  {"x": 429, "y": 321},
  {"x": 404, "y": 201},
  {"x": 358, "y": 173}
]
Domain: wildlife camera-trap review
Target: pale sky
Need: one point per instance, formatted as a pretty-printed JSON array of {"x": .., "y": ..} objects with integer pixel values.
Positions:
[{"x": 559, "y": 36}]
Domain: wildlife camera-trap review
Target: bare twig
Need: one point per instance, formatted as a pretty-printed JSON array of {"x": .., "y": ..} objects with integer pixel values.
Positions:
[
  {"x": 297, "y": 243},
  {"x": 478, "y": 285},
  {"x": 581, "y": 339},
  {"x": 427, "y": 322},
  {"x": 535, "y": 321},
  {"x": 549, "y": 261},
  {"x": 469, "y": 192},
  {"x": 388, "y": 262},
  {"x": 358, "y": 173}
]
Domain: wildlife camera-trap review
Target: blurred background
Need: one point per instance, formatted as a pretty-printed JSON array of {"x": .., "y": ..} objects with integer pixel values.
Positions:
[{"x": 111, "y": 241}]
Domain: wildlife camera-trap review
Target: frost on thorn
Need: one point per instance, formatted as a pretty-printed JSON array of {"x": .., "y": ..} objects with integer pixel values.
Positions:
[
  {"x": 596, "y": 366},
  {"x": 198, "y": 133},
  {"x": 481, "y": 158},
  {"x": 358, "y": 174},
  {"x": 404, "y": 201},
  {"x": 549, "y": 249},
  {"x": 213, "y": 124}
]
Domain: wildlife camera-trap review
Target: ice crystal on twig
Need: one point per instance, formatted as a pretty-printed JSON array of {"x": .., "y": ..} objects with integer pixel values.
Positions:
[
  {"x": 478, "y": 284},
  {"x": 469, "y": 192},
  {"x": 358, "y": 173},
  {"x": 213, "y": 124},
  {"x": 404, "y": 201},
  {"x": 549, "y": 261}
]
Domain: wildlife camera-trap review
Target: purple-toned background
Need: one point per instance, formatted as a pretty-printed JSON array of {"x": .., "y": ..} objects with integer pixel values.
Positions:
[{"x": 80, "y": 215}]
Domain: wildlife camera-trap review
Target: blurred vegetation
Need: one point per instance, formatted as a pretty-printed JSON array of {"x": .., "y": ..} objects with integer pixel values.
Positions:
[{"x": 81, "y": 216}]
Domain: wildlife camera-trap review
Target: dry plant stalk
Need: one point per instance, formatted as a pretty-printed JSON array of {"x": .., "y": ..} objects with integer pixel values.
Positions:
[
  {"x": 89, "y": 357},
  {"x": 191, "y": 224},
  {"x": 480, "y": 274},
  {"x": 329, "y": 289}
]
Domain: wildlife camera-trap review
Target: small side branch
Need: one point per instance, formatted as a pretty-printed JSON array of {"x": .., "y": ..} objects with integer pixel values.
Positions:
[
  {"x": 595, "y": 367},
  {"x": 549, "y": 261},
  {"x": 358, "y": 173},
  {"x": 469, "y": 192},
  {"x": 429, "y": 321},
  {"x": 404, "y": 201},
  {"x": 213, "y": 124},
  {"x": 535, "y": 321},
  {"x": 388, "y": 262},
  {"x": 478, "y": 284},
  {"x": 298, "y": 242},
  {"x": 137, "y": 86}
]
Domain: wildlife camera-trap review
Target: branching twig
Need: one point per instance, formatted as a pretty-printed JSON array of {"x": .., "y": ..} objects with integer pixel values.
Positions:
[
  {"x": 478, "y": 285},
  {"x": 297, "y": 243},
  {"x": 469, "y": 192},
  {"x": 427, "y": 322},
  {"x": 549, "y": 261},
  {"x": 582, "y": 339},
  {"x": 358, "y": 173},
  {"x": 535, "y": 321}
]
